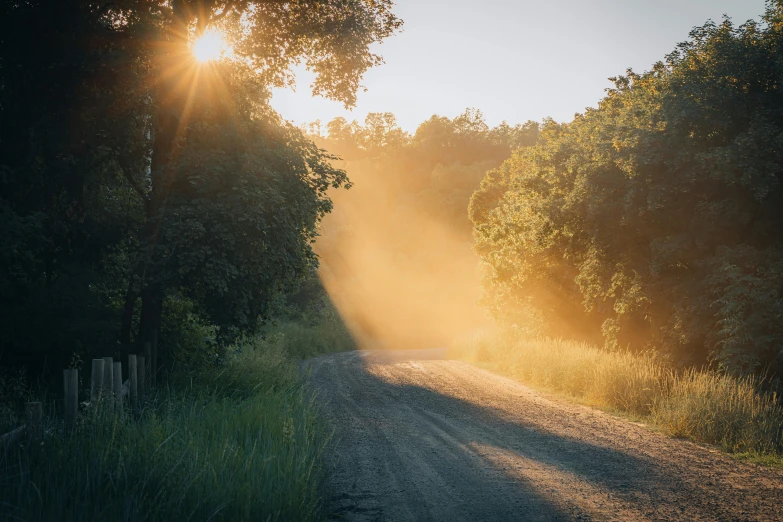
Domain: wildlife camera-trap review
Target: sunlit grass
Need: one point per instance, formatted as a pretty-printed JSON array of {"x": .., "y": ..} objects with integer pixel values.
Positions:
[
  {"x": 732, "y": 413},
  {"x": 727, "y": 411}
]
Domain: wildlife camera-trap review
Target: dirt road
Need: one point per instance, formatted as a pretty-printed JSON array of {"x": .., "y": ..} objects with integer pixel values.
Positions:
[{"x": 422, "y": 438}]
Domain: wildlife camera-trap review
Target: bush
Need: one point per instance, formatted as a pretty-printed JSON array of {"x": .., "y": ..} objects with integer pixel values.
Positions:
[
  {"x": 310, "y": 330},
  {"x": 190, "y": 341},
  {"x": 13, "y": 391},
  {"x": 303, "y": 341}
]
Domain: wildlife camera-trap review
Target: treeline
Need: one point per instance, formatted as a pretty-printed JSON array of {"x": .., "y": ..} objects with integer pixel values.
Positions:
[
  {"x": 439, "y": 166},
  {"x": 396, "y": 252},
  {"x": 143, "y": 193},
  {"x": 654, "y": 221}
]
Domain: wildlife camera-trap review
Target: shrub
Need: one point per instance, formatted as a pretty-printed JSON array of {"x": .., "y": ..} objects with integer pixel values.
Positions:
[{"x": 316, "y": 331}]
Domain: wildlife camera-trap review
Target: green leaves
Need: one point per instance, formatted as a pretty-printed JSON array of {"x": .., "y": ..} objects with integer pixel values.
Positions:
[
  {"x": 652, "y": 217},
  {"x": 332, "y": 38},
  {"x": 248, "y": 193},
  {"x": 126, "y": 170}
]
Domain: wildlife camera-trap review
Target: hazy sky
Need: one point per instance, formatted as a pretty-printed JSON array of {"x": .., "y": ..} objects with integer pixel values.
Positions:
[{"x": 513, "y": 60}]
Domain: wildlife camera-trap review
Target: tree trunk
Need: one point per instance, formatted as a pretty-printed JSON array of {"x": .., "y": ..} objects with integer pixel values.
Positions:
[{"x": 146, "y": 281}]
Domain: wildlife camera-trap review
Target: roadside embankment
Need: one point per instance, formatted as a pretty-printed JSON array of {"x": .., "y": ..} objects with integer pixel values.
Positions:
[
  {"x": 241, "y": 441},
  {"x": 733, "y": 413}
]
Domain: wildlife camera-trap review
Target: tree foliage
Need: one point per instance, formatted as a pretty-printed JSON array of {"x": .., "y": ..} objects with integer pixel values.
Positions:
[
  {"x": 246, "y": 198},
  {"x": 131, "y": 174},
  {"x": 396, "y": 253},
  {"x": 654, "y": 220},
  {"x": 435, "y": 170}
]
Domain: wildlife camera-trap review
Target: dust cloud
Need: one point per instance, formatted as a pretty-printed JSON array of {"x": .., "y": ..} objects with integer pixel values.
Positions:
[{"x": 400, "y": 276}]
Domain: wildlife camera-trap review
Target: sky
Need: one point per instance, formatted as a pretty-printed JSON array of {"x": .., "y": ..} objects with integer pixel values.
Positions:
[{"x": 515, "y": 60}]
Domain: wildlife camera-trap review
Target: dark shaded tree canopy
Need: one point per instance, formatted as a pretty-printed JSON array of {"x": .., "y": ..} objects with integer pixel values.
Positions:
[{"x": 130, "y": 174}]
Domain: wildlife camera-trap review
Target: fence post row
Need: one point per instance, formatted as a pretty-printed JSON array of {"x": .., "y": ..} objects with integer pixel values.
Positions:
[{"x": 105, "y": 389}]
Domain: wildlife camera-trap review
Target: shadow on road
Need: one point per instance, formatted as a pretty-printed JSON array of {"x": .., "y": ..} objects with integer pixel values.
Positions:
[{"x": 407, "y": 451}]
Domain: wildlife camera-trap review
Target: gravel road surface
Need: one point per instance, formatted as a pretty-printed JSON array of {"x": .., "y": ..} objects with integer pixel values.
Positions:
[{"x": 418, "y": 437}]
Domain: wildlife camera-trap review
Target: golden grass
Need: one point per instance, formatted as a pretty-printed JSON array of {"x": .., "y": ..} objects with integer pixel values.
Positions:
[
  {"x": 724, "y": 410},
  {"x": 702, "y": 405}
]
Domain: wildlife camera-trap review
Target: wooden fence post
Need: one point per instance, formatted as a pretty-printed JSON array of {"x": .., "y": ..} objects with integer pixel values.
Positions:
[
  {"x": 96, "y": 382},
  {"x": 108, "y": 383},
  {"x": 142, "y": 362},
  {"x": 132, "y": 377},
  {"x": 154, "y": 361},
  {"x": 71, "y": 397},
  {"x": 34, "y": 414},
  {"x": 117, "y": 388}
]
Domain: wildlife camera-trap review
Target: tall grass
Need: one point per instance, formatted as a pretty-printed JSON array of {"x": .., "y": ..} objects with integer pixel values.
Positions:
[
  {"x": 728, "y": 411},
  {"x": 731, "y": 412},
  {"x": 302, "y": 340},
  {"x": 241, "y": 443}
]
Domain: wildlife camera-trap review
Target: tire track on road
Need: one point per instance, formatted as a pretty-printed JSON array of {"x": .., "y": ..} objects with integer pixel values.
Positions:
[{"x": 418, "y": 437}]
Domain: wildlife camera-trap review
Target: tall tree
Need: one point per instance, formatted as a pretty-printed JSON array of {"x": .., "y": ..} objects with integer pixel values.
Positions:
[
  {"x": 331, "y": 37},
  {"x": 73, "y": 137}
]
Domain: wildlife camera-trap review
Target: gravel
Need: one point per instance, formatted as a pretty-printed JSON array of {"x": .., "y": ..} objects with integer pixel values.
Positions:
[{"x": 419, "y": 437}]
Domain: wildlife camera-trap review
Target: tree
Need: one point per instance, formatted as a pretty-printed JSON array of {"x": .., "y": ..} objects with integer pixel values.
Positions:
[
  {"x": 103, "y": 106},
  {"x": 333, "y": 39},
  {"x": 246, "y": 197},
  {"x": 652, "y": 220},
  {"x": 72, "y": 138}
]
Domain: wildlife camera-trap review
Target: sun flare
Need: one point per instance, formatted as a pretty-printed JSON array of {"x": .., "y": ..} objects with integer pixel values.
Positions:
[{"x": 210, "y": 46}]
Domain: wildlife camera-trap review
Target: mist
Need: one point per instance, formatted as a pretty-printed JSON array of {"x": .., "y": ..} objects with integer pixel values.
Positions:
[{"x": 397, "y": 255}]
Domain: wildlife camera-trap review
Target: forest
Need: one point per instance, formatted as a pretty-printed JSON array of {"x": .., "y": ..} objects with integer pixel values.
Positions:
[
  {"x": 654, "y": 218},
  {"x": 147, "y": 197},
  {"x": 649, "y": 222}
]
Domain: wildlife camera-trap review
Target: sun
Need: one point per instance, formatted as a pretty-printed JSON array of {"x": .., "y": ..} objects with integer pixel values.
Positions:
[{"x": 210, "y": 46}]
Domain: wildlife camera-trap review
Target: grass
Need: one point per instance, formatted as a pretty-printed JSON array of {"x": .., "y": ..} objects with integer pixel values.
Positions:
[
  {"x": 240, "y": 443},
  {"x": 699, "y": 404},
  {"x": 308, "y": 337}
]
